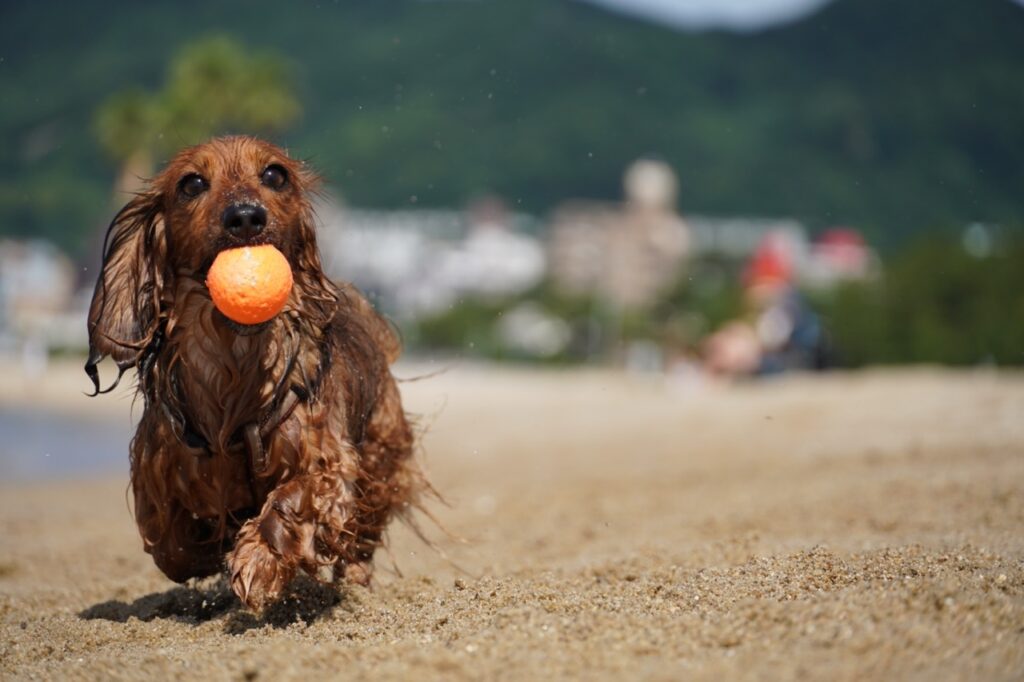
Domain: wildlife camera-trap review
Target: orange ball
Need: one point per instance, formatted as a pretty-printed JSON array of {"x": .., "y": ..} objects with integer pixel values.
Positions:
[{"x": 250, "y": 284}]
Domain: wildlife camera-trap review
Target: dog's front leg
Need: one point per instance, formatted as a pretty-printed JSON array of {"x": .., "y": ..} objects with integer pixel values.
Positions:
[{"x": 288, "y": 534}]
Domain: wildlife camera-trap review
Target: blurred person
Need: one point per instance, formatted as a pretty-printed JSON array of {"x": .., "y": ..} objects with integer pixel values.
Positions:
[{"x": 779, "y": 331}]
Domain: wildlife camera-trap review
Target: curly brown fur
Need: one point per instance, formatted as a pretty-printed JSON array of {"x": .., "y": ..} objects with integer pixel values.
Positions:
[{"x": 282, "y": 447}]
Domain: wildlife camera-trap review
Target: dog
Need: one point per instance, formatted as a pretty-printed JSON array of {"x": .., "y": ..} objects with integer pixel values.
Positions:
[{"x": 267, "y": 449}]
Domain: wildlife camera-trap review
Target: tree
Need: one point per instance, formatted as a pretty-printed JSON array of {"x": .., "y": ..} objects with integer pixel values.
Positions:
[{"x": 213, "y": 85}]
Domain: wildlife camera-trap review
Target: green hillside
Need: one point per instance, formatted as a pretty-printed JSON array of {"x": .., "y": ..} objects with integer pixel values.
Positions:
[{"x": 894, "y": 115}]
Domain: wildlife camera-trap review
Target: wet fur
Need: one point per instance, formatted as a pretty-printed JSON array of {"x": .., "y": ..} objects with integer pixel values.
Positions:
[{"x": 312, "y": 386}]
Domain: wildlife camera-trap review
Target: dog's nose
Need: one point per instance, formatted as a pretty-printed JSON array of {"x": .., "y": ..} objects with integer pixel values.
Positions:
[{"x": 244, "y": 220}]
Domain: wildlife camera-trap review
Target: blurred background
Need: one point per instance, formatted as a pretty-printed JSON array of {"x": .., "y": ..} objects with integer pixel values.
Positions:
[{"x": 690, "y": 189}]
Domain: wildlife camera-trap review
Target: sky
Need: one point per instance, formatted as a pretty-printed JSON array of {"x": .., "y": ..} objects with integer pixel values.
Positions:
[
  {"x": 700, "y": 14},
  {"x": 743, "y": 15}
]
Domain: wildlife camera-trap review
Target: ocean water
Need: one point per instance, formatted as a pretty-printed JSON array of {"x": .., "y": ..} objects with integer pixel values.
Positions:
[{"x": 42, "y": 445}]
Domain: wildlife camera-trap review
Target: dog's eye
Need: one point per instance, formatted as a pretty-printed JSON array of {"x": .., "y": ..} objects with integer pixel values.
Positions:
[
  {"x": 275, "y": 177},
  {"x": 192, "y": 185}
]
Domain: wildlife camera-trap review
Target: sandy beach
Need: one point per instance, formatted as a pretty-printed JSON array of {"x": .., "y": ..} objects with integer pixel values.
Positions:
[{"x": 599, "y": 526}]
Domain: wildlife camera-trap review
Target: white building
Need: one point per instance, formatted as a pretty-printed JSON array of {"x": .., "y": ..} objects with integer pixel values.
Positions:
[
  {"x": 36, "y": 295},
  {"x": 418, "y": 262}
]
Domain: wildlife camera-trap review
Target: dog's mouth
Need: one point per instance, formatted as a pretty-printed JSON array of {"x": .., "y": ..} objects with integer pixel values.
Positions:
[
  {"x": 231, "y": 242},
  {"x": 228, "y": 242},
  {"x": 225, "y": 241}
]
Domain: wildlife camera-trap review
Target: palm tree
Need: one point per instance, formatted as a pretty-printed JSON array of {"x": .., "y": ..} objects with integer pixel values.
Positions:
[{"x": 212, "y": 86}]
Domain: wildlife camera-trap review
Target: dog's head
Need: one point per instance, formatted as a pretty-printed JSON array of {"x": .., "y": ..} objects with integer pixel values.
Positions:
[{"x": 228, "y": 192}]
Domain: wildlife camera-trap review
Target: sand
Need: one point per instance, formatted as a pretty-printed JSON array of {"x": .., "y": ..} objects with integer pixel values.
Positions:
[{"x": 850, "y": 526}]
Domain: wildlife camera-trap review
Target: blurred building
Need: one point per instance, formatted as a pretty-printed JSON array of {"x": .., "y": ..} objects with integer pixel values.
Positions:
[
  {"x": 626, "y": 254},
  {"x": 37, "y": 286},
  {"x": 416, "y": 262},
  {"x": 737, "y": 238}
]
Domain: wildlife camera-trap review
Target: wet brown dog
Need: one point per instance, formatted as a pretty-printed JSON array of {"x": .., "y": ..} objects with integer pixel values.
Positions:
[{"x": 281, "y": 446}]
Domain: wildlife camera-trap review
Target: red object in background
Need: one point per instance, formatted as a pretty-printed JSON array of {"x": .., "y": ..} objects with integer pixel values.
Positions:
[{"x": 770, "y": 264}]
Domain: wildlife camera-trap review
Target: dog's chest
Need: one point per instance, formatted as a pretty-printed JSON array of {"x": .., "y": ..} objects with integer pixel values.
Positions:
[{"x": 225, "y": 381}]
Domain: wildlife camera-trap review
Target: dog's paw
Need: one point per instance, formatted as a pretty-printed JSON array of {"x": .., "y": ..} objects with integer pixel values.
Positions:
[{"x": 258, "y": 575}]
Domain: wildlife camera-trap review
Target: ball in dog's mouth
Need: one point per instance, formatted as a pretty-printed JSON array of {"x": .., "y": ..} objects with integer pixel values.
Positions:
[{"x": 249, "y": 285}]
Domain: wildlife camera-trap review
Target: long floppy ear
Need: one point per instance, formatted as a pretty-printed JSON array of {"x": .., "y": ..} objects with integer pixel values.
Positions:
[
  {"x": 319, "y": 295},
  {"x": 124, "y": 315}
]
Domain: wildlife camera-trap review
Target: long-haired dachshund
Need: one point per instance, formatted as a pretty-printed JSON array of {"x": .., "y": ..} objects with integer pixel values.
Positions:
[{"x": 280, "y": 447}]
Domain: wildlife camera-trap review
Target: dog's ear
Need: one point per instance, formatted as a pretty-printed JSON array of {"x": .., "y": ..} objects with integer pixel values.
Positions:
[
  {"x": 124, "y": 314},
  {"x": 319, "y": 298}
]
